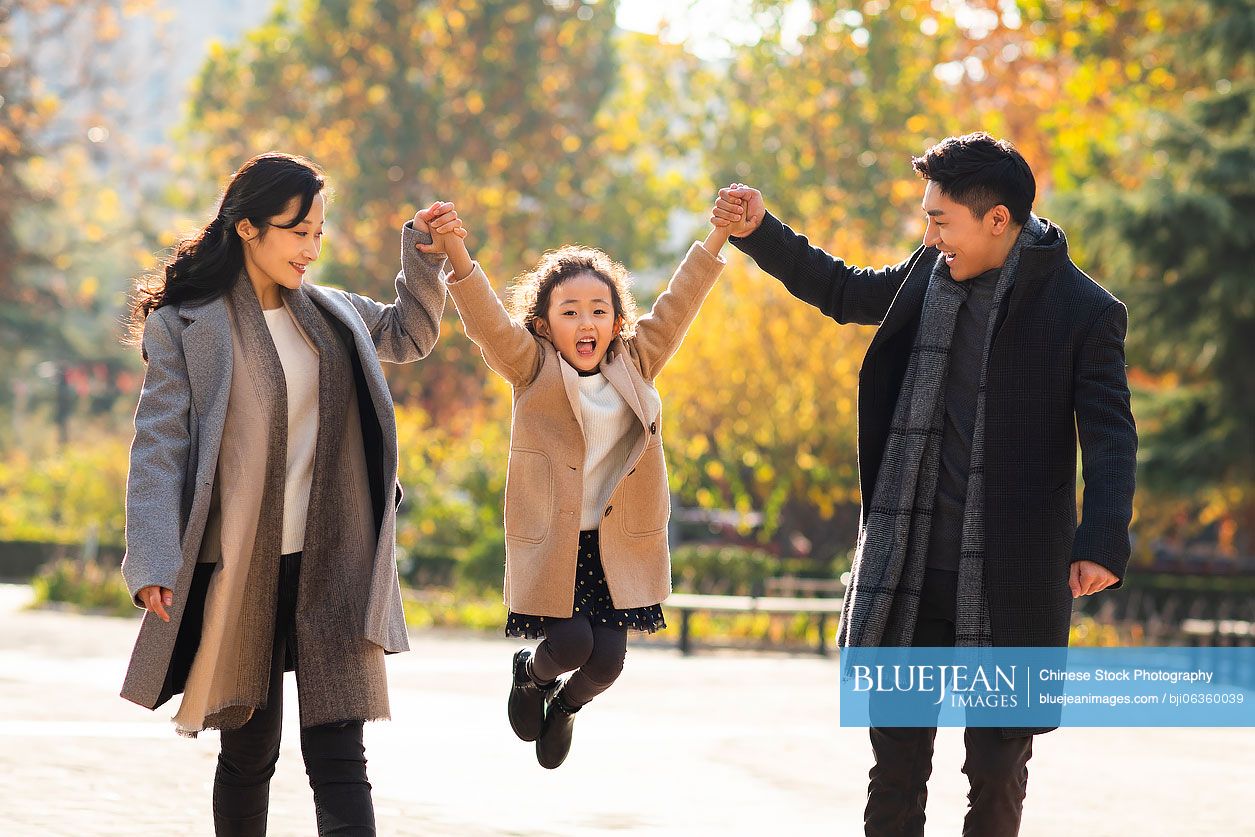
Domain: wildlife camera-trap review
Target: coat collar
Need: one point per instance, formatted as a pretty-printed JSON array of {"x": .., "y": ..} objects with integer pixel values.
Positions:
[
  {"x": 1038, "y": 262},
  {"x": 207, "y": 352},
  {"x": 207, "y": 346},
  {"x": 614, "y": 366}
]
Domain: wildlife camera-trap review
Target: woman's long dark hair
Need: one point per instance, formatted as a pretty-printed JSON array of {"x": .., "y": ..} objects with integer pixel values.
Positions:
[{"x": 204, "y": 266}]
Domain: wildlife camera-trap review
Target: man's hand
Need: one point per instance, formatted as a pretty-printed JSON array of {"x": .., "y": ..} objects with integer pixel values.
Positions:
[
  {"x": 739, "y": 208},
  {"x": 1087, "y": 578},
  {"x": 156, "y": 599}
]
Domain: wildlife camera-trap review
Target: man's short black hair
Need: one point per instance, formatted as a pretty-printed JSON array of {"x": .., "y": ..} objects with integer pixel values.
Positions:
[{"x": 980, "y": 172}]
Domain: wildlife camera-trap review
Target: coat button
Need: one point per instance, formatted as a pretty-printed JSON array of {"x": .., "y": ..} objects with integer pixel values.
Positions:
[
  {"x": 608, "y": 508},
  {"x": 653, "y": 427}
]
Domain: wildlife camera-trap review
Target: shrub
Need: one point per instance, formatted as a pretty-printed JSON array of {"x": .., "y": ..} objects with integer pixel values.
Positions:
[
  {"x": 726, "y": 570},
  {"x": 85, "y": 585}
]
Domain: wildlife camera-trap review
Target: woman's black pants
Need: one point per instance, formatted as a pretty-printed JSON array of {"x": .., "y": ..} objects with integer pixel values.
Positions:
[
  {"x": 996, "y": 767},
  {"x": 335, "y": 759}
]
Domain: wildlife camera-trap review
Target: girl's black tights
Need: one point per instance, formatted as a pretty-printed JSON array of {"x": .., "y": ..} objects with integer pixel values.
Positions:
[{"x": 594, "y": 652}]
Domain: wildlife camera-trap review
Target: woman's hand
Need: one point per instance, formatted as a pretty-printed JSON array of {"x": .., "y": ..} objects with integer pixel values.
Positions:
[
  {"x": 441, "y": 222},
  {"x": 156, "y": 599},
  {"x": 448, "y": 234}
]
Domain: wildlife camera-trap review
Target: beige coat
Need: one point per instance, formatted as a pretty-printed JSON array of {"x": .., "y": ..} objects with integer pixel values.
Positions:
[{"x": 545, "y": 478}]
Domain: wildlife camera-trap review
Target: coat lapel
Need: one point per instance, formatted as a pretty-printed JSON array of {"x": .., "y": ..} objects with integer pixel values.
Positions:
[
  {"x": 207, "y": 351},
  {"x": 906, "y": 305},
  {"x": 620, "y": 377},
  {"x": 614, "y": 367},
  {"x": 1037, "y": 263},
  {"x": 380, "y": 395},
  {"x": 571, "y": 383}
]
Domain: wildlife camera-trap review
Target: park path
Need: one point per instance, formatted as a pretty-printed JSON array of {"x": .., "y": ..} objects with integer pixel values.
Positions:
[{"x": 715, "y": 744}]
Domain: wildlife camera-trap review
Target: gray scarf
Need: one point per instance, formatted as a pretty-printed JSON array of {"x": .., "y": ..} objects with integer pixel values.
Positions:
[
  {"x": 340, "y": 674},
  {"x": 882, "y": 603}
]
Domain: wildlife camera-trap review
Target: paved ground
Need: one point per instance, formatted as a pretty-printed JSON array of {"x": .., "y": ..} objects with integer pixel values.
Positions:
[{"x": 717, "y": 744}]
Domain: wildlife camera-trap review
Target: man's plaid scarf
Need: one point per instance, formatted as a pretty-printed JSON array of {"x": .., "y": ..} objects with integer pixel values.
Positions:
[{"x": 882, "y": 602}]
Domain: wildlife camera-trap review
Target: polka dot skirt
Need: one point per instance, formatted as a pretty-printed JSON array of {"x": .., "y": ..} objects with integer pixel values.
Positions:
[{"x": 592, "y": 599}]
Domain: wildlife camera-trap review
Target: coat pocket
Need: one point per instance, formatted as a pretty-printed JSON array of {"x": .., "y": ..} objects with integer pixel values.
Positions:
[
  {"x": 649, "y": 499},
  {"x": 528, "y": 495}
]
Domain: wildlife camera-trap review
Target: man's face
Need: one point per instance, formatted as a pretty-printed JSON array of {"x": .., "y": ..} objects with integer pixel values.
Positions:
[{"x": 970, "y": 245}]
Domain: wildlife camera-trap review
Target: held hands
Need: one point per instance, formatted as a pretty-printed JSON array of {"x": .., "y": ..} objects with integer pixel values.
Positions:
[
  {"x": 156, "y": 599},
  {"x": 441, "y": 222},
  {"x": 739, "y": 209},
  {"x": 1087, "y": 578},
  {"x": 448, "y": 233}
]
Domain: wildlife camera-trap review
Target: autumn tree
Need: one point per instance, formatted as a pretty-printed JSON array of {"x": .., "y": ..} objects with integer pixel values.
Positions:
[
  {"x": 1172, "y": 231},
  {"x": 522, "y": 112},
  {"x": 67, "y": 241}
]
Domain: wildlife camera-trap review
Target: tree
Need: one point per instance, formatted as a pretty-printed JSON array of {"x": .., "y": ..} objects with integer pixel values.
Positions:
[
  {"x": 513, "y": 109},
  {"x": 1179, "y": 246},
  {"x": 66, "y": 237},
  {"x": 759, "y": 407}
]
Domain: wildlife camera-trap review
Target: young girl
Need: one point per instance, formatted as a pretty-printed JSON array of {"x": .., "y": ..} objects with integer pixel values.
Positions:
[
  {"x": 261, "y": 497},
  {"x": 586, "y": 498}
]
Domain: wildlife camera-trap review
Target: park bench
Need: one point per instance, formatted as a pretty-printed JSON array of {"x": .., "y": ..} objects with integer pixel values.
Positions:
[
  {"x": 689, "y": 603},
  {"x": 1218, "y": 631}
]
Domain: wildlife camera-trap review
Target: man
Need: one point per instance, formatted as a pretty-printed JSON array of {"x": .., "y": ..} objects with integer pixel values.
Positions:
[{"x": 994, "y": 353}]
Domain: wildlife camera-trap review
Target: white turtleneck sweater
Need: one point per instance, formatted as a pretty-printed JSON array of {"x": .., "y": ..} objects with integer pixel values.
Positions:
[
  {"x": 607, "y": 421},
  {"x": 300, "y": 367}
]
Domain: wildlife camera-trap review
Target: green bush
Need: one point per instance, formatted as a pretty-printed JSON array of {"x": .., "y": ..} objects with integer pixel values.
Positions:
[
  {"x": 726, "y": 570},
  {"x": 85, "y": 585},
  {"x": 447, "y": 609},
  {"x": 59, "y": 496}
]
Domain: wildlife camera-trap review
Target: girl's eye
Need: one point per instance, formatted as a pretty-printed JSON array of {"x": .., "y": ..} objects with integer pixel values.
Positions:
[{"x": 600, "y": 312}]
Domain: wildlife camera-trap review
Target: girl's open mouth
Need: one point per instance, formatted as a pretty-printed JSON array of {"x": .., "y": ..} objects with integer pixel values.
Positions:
[{"x": 585, "y": 346}]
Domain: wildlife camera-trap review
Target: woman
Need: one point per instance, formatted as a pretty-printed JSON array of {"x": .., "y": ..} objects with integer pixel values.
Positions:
[{"x": 261, "y": 497}]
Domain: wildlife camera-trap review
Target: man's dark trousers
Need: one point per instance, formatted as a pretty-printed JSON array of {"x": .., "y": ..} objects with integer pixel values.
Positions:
[{"x": 996, "y": 767}]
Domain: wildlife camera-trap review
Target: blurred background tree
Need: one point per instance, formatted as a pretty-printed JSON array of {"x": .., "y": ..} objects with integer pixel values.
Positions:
[
  {"x": 68, "y": 233},
  {"x": 1172, "y": 235},
  {"x": 526, "y": 114}
]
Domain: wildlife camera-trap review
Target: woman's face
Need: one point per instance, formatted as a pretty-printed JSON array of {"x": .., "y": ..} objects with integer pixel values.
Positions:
[
  {"x": 580, "y": 321},
  {"x": 283, "y": 255}
]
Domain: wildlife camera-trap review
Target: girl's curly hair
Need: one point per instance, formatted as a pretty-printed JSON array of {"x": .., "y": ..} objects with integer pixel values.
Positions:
[{"x": 529, "y": 295}]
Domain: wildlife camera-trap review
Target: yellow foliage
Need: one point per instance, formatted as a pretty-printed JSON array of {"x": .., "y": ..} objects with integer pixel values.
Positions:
[{"x": 754, "y": 361}]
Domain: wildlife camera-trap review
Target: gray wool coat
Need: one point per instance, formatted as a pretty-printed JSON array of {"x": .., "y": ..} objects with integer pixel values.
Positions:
[{"x": 178, "y": 431}]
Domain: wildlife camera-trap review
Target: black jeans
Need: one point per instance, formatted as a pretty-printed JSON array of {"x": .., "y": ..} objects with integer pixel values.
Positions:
[
  {"x": 996, "y": 767},
  {"x": 335, "y": 759}
]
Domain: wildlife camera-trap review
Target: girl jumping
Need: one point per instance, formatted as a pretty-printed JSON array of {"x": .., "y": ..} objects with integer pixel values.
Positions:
[{"x": 586, "y": 498}]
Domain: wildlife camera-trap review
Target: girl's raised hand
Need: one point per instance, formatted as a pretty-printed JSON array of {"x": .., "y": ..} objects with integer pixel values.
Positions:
[{"x": 723, "y": 215}]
